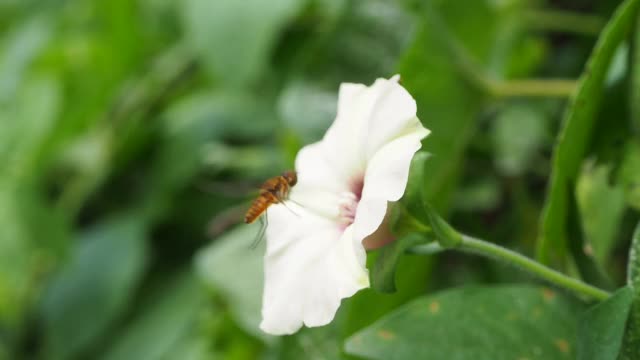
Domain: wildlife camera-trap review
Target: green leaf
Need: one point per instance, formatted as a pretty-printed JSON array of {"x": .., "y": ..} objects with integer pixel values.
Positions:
[
  {"x": 384, "y": 269},
  {"x": 578, "y": 124},
  {"x": 320, "y": 343},
  {"x": 601, "y": 208},
  {"x": 231, "y": 267},
  {"x": 94, "y": 288},
  {"x": 502, "y": 322},
  {"x": 170, "y": 314},
  {"x": 413, "y": 276},
  {"x": 601, "y": 328},
  {"x": 631, "y": 342},
  {"x": 235, "y": 39}
]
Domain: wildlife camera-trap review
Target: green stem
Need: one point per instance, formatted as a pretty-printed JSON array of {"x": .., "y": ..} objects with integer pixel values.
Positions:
[
  {"x": 491, "y": 250},
  {"x": 474, "y": 71},
  {"x": 564, "y": 21},
  {"x": 530, "y": 87}
]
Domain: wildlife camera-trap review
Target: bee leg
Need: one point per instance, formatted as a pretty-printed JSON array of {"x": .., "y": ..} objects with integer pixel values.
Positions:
[
  {"x": 264, "y": 222},
  {"x": 288, "y": 208}
]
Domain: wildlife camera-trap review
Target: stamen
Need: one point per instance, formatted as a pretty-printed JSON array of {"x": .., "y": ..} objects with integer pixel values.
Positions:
[{"x": 348, "y": 206}]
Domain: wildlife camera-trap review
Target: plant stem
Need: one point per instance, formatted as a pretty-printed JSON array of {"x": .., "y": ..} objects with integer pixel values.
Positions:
[
  {"x": 564, "y": 21},
  {"x": 530, "y": 87},
  {"x": 475, "y": 72},
  {"x": 485, "y": 248}
]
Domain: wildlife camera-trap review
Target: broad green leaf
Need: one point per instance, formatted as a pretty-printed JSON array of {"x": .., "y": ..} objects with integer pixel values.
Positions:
[
  {"x": 384, "y": 269},
  {"x": 578, "y": 124},
  {"x": 234, "y": 39},
  {"x": 169, "y": 315},
  {"x": 601, "y": 328},
  {"x": 234, "y": 269},
  {"x": 94, "y": 288},
  {"x": 502, "y": 322},
  {"x": 413, "y": 275},
  {"x": 319, "y": 343}
]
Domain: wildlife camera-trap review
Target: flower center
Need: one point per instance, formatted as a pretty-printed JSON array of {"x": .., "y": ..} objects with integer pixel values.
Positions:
[
  {"x": 348, "y": 206},
  {"x": 349, "y": 202}
]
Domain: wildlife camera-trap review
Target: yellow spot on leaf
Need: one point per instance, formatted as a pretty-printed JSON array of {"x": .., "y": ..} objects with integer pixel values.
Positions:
[
  {"x": 588, "y": 249},
  {"x": 537, "y": 312},
  {"x": 386, "y": 334},
  {"x": 562, "y": 345},
  {"x": 548, "y": 294},
  {"x": 434, "y": 307}
]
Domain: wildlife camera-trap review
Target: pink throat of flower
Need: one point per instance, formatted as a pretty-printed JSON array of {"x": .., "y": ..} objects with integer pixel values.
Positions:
[{"x": 349, "y": 201}]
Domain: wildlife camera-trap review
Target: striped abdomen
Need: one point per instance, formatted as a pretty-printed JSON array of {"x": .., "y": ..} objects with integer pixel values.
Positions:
[{"x": 259, "y": 206}]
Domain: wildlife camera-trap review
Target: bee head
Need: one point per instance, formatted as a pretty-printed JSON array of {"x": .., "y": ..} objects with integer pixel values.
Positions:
[{"x": 291, "y": 177}]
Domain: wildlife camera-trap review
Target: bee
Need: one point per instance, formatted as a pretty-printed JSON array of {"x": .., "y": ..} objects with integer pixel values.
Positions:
[{"x": 273, "y": 191}]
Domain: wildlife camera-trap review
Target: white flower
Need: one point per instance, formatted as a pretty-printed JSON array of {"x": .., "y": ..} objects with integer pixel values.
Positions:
[{"x": 315, "y": 255}]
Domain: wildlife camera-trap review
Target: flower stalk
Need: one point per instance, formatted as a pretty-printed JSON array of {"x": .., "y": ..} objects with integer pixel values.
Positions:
[{"x": 487, "y": 249}]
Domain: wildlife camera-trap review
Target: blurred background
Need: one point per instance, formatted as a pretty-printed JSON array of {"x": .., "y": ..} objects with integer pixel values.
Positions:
[{"x": 134, "y": 133}]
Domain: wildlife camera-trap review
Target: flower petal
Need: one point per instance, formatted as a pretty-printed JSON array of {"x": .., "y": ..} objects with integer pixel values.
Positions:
[
  {"x": 367, "y": 118},
  {"x": 310, "y": 266},
  {"x": 386, "y": 179},
  {"x": 314, "y": 168},
  {"x": 391, "y": 115}
]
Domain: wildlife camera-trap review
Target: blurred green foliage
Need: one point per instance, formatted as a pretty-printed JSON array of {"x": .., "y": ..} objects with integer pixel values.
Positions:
[{"x": 133, "y": 133}]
